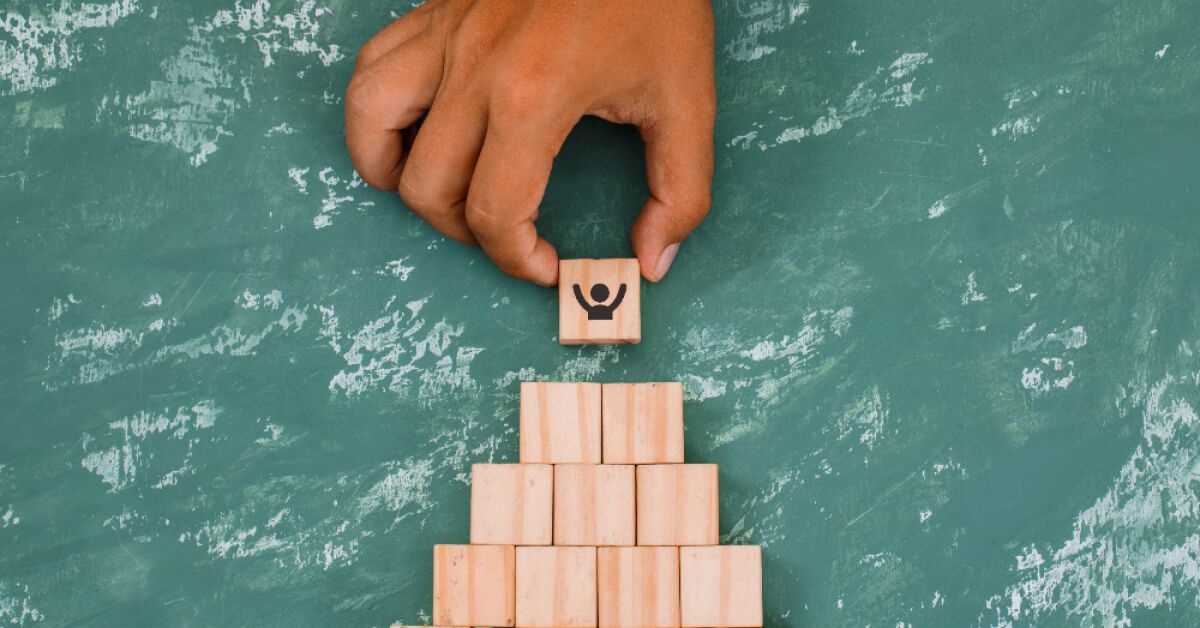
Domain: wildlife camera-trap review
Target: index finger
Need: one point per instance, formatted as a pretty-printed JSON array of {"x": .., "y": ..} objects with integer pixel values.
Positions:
[{"x": 508, "y": 185}]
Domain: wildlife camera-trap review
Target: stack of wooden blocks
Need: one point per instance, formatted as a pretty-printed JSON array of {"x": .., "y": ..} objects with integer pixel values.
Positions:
[{"x": 601, "y": 523}]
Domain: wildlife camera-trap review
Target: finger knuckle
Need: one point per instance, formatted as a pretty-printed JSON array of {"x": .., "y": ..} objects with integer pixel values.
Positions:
[
  {"x": 366, "y": 55},
  {"x": 378, "y": 182},
  {"x": 361, "y": 94},
  {"x": 521, "y": 90},
  {"x": 690, "y": 208},
  {"x": 484, "y": 219},
  {"x": 422, "y": 199},
  {"x": 464, "y": 48},
  {"x": 697, "y": 204}
]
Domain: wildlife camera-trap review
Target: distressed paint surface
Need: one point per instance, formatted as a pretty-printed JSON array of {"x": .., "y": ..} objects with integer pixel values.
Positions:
[{"x": 940, "y": 330}]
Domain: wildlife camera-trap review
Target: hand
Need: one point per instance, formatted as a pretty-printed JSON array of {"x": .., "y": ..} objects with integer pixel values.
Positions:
[{"x": 502, "y": 82}]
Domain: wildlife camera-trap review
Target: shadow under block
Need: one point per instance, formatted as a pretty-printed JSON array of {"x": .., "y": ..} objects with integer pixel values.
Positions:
[
  {"x": 556, "y": 587},
  {"x": 638, "y": 587},
  {"x": 642, "y": 423},
  {"x": 512, "y": 504},
  {"x": 677, "y": 504},
  {"x": 721, "y": 586},
  {"x": 474, "y": 585},
  {"x": 594, "y": 504},
  {"x": 599, "y": 302},
  {"x": 560, "y": 423}
]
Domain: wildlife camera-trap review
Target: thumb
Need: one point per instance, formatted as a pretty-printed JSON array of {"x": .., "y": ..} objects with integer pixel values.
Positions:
[{"x": 679, "y": 167}]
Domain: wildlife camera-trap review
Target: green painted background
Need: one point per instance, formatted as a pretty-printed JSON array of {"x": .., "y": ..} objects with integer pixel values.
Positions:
[{"x": 940, "y": 330}]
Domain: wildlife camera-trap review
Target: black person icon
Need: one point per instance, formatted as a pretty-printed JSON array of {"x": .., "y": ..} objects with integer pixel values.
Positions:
[{"x": 598, "y": 311}]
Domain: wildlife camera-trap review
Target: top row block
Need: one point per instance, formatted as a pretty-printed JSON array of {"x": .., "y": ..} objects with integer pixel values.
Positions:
[
  {"x": 599, "y": 302},
  {"x": 576, "y": 423}
]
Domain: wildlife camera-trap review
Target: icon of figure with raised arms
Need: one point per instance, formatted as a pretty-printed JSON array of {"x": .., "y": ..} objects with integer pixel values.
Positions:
[{"x": 598, "y": 311}]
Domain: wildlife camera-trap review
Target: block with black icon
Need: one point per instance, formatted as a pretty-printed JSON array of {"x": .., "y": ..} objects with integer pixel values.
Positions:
[{"x": 599, "y": 302}]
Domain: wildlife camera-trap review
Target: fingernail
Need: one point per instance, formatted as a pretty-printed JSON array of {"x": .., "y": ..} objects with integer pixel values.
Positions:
[{"x": 664, "y": 261}]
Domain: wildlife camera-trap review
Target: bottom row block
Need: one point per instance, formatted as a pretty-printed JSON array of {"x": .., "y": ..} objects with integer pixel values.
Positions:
[
  {"x": 585, "y": 587},
  {"x": 474, "y": 585},
  {"x": 556, "y": 587},
  {"x": 721, "y": 586},
  {"x": 639, "y": 586}
]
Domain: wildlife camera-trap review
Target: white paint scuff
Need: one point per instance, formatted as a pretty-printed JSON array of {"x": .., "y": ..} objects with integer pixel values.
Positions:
[
  {"x": 396, "y": 268},
  {"x": 937, "y": 209},
  {"x": 890, "y": 85},
  {"x": 402, "y": 353},
  {"x": 394, "y": 491},
  {"x": 1017, "y": 127},
  {"x": 252, "y": 301},
  {"x": 9, "y": 517},
  {"x": 762, "y": 18},
  {"x": 338, "y": 193},
  {"x": 865, "y": 419},
  {"x": 39, "y": 47},
  {"x": 1136, "y": 547},
  {"x": 140, "y": 442},
  {"x": 16, "y": 606},
  {"x": 714, "y": 362},
  {"x": 91, "y": 354},
  {"x": 190, "y": 107},
  {"x": 1054, "y": 369},
  {"x": 295, "y": 31},
  {"x": 203, "y": 87},
  {"x": 58, "y": 307},
  {"x": 972, "y": 295}
]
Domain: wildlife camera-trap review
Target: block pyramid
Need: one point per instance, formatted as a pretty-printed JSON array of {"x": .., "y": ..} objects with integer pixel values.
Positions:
[{"x": 601, "y": 524}]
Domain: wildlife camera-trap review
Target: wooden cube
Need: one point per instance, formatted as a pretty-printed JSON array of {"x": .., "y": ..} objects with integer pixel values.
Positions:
[
  {"x": 560, "y": 422},
  {"x": 677, "y": 504},
  {"x": 512, "y": 504},
  {"x": 721, "y": 586},
  {"x": 594, "y": 504},
  {"x": 642, "y": 423},
  {"x": 638, "y": 587},
  {"x": 556, "y": 587},
  {"x": 599, "y": 302},
  {"x": 474, "y": 585}
]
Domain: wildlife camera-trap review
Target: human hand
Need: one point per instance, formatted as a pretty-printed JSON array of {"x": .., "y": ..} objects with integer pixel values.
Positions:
[{"x": 502, "y": 82}]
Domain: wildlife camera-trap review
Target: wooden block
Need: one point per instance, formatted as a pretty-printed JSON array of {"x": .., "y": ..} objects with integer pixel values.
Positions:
[
  {"x": 560, "y": 423},
  {"x": 556, "y": 587},
  {"x": 721, "y": 587},
  {"x": 642, "y": 423},
  {"x": 474, "y": 585},
  {"x": 638, "y": 587},
  {"x": 594, "y": 504},
  {"x": 599, "y": 302},
  {"x": 677, "y": 504},
  {"x": 512, "y": 504}
]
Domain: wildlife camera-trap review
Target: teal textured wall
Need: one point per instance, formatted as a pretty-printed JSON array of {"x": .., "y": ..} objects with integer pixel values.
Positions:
[{"x": 940, "y": 329}]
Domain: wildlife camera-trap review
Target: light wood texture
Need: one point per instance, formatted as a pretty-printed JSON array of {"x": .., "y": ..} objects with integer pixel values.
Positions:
[
  {"x": 560, "y": 422},
  {"x": 474, "y": 585},
  {"x": 721, "y": 587},
  {"x": 574, "y": 325},
  {"x": 556, "y": 587},
  {"x": 638, "y": 587},
  {"x": 677, "y": 504},
  {"x": 512, "y": 504},
  {"x": 594, "y": 504},
  {"x": 642, "y": 423}
]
